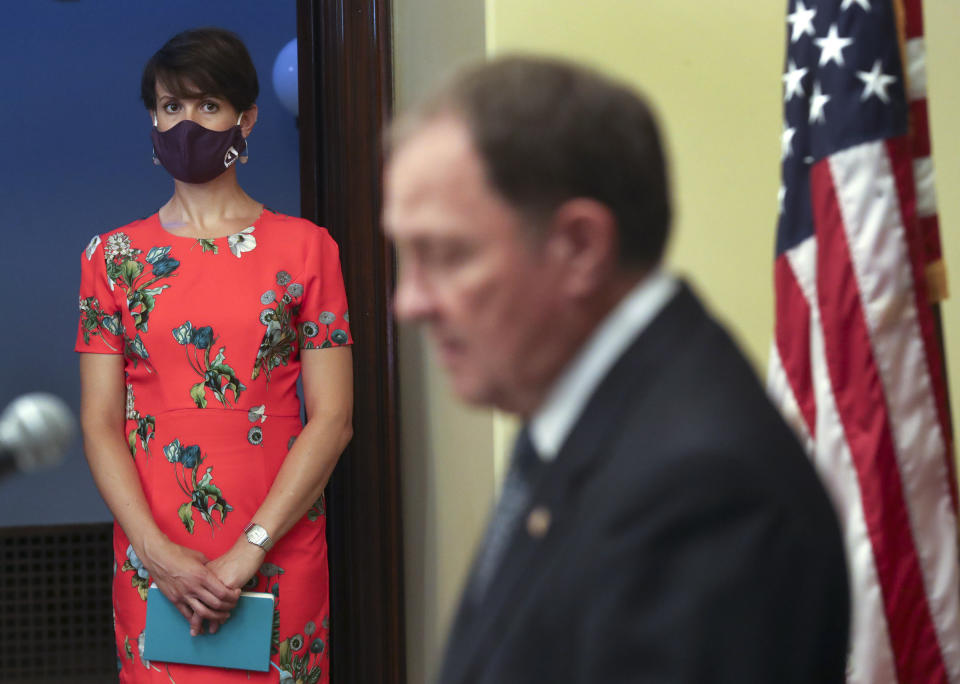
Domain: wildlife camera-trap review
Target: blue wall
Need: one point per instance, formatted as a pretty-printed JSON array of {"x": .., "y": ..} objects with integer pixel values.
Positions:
[{"x": 74, "y": 161}]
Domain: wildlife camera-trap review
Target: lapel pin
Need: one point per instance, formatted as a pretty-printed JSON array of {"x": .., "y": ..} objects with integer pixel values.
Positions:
[{"x": 538, "y": 522}]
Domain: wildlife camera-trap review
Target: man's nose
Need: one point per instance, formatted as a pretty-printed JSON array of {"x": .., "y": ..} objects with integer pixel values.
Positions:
[{"x": 413, "y": 300}]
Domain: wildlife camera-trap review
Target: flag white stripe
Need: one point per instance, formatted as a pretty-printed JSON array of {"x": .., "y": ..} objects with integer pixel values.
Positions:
[
  {"x": 781, "y": 393},
  {"x": 871, "y": 656},
  {"x": 926, "y": 188},
  {"x": 916, "y": 68},
  {"x": 869, "y": 204}
]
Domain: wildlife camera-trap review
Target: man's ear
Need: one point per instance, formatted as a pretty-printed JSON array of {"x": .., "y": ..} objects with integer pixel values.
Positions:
[{"x": 582, "y": 240}]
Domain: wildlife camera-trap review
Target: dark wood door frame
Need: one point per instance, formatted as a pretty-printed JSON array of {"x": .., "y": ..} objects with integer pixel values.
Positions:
[{"x": 346, "y": 94}]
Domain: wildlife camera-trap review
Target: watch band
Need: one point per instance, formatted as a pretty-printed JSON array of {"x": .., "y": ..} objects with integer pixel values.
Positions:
[{"x": 258, "y": 536}]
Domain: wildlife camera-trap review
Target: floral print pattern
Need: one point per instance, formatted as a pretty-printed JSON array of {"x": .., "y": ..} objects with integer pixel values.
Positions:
[
  {"x": 93, "y": 321},
  {"x": 134, "y": 349},
  {"x": 280, "y": 338},
  {"x": 309, "y": 332},
  {"x": 124, "y": 268},
  {"x": 140, "y": 579},
  {"x": 118, "y": 247},
  {"x": 299, "y": 657},
  {"x": 241, "y": 242},
  {"x": 145, "y": 428},
  {"x": 216, "y": 375},
  {"x": 92, "y": 246},
  {"x": 140, "y": 643},
  {"x": 205, "y": 497},
  {"x": 266, "y": 575},
  {"x": 208, "y": 245},
  {"x": 318, "y": 509}
]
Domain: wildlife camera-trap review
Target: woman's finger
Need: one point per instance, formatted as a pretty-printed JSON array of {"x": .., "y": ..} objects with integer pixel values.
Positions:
[
  {"x": 214, "y": 603},
  {"x": 205, "y": 612},
  {"x": 196, "y": 624},
  {"x": 184, "y": 610},
  {"x": 215, "y": 586}
]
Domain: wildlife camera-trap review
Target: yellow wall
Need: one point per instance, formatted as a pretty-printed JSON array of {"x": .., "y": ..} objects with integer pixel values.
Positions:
[
  {"x": 943, "y": 87},
  {"x": 712, "y": 69}
]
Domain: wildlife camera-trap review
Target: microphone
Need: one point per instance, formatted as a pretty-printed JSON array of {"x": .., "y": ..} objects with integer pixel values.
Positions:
[{"x": 35, "y": 431}]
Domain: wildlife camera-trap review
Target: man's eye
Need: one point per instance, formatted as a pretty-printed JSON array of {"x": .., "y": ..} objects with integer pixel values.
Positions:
[{"x": 453, "y": 255}]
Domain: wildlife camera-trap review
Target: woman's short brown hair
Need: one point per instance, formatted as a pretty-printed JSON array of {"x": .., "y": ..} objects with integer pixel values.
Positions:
[{"x": 203, "y": 61}]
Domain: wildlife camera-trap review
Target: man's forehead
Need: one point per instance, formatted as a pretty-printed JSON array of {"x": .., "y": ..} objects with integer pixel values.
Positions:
[
  {"x": 436, "y": 165},
  {"x": 443, "y": 141}
]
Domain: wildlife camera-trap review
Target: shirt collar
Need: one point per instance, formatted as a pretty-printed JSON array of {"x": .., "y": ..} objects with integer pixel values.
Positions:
[{"x": 553, "y": 421}]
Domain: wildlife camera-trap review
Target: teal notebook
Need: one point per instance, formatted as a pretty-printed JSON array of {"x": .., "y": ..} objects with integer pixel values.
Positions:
[{"x": 242, "y": 642}]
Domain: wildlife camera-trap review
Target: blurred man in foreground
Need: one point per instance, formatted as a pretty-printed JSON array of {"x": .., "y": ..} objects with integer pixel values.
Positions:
[{"x": 659, "y": 522}]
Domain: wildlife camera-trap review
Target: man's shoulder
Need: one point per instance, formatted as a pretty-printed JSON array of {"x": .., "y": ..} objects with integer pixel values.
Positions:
[{"x": 686, "y": 404}]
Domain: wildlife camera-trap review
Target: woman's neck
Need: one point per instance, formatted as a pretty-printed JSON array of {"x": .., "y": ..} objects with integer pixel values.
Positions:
[{"x": 214, "y": 209}]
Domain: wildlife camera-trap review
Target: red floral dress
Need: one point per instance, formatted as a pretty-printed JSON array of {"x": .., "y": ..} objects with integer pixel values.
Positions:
[{"x": 212, "y": 332}]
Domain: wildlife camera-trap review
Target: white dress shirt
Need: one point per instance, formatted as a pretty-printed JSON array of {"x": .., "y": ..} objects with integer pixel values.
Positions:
[{"x": 552, "y": 422}]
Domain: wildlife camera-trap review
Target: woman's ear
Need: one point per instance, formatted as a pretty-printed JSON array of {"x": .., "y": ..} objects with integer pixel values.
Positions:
[
  {"x": 248, "y": 117},
  {"x": 583, "y": 241}
]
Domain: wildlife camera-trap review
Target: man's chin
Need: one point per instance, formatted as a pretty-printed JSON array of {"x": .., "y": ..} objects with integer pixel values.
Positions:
[{"x": 469, "y": 390}]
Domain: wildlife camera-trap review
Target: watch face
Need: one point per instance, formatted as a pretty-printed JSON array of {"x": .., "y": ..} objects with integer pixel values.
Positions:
[{"x": 257, "y": 535}]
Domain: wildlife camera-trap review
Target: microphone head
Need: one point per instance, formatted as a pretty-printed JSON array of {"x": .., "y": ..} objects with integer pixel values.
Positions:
[{"x": 37, "y": 429}]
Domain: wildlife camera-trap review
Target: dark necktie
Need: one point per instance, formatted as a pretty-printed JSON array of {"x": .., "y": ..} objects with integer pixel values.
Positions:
[{"x": 514, "y": 498}]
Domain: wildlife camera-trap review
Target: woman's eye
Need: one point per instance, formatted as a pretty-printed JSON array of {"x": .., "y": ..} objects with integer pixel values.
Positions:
[
  {"x": 171, "y": 107},
  {"x": 209, "y": 107}
]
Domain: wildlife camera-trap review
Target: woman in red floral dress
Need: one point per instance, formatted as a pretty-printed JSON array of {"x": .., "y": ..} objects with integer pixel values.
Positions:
[{"x": 195, "y": 324}]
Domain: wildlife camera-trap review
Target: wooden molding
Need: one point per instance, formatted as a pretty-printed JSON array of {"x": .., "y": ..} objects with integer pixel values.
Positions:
[{"x": 346, "y": 95}]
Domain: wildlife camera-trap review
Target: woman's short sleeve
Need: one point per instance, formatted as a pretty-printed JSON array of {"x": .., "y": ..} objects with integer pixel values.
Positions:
[
  {"x": 323, "y": 320},
  {"x": 101, "y": 327}
]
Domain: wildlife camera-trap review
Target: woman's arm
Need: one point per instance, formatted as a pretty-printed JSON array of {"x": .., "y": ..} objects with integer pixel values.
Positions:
[
  {"x": 179, "y": 572},
  {"x": 327, "y": 376}
]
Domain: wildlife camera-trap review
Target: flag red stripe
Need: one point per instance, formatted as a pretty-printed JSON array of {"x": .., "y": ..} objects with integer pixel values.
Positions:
[
  {"x": 861, "y": 405},
  {"x": 793, "y": 339},
  {"x": 902, "y": 165},
  {"x": 912, "y": 18},
  {"x": 930, "y": 229}
]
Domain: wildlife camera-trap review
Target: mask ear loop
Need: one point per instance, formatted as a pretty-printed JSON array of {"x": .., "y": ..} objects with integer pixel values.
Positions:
[
  {"x": 245, "y": 155},
  {"x": 156, "y": 161}
]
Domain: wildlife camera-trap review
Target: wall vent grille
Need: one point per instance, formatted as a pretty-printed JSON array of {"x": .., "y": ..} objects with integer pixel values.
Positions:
[{"x": 56, "y": 621}]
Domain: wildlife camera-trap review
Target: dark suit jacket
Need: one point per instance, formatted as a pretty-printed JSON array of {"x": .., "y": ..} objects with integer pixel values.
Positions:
[{"x": 687, "y": 537}]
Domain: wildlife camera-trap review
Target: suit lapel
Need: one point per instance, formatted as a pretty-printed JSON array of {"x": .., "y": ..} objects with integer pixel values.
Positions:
[{"x": 476, "y": 628}]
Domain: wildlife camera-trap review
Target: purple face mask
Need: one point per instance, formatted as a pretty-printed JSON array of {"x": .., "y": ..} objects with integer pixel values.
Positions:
[{"x": 194, "y": 154}]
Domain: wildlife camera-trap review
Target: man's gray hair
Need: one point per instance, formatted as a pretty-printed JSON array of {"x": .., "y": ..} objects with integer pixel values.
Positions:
[{"x": 548, "y": 131}]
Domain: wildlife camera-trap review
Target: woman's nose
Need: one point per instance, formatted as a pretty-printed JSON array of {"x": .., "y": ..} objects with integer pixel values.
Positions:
[{"x": 191, "y": 112}]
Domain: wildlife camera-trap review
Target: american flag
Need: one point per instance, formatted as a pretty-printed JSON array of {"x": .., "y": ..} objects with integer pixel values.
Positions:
[{"x": 855, "y": 364}]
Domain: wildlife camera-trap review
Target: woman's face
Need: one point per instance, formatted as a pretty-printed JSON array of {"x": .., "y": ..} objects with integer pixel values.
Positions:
[{"x": 210, "y": 111}]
